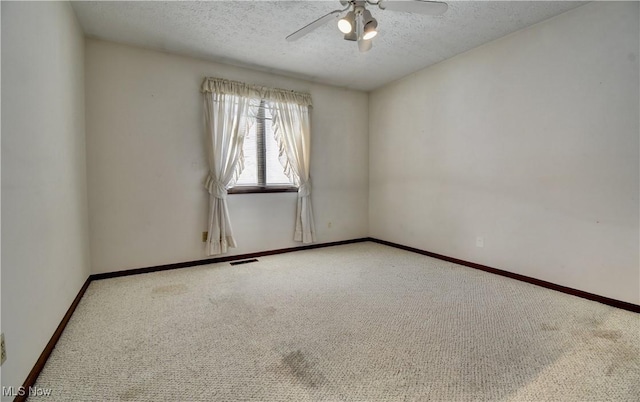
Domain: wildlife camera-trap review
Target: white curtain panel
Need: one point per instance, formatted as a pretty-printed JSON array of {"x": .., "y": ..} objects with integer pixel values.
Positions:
[
  {"x": 230, "y": 108},
  {"x": 226, "y": 123},
  {"x": 292, "y": 129}
]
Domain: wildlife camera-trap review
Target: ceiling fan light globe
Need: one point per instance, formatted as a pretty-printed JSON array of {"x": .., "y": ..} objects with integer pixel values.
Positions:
[
  {"x": 346, "y": 23},
  {"x": 370, "y": 29},
  {"x": 364, "y": 45},
  {"x": 344, "y": 26},
  {"x": 367, "y": 17},
  {"x": 369, "y": 35}
]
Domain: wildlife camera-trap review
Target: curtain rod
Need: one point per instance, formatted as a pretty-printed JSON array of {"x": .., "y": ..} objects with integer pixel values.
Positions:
[
  {"x": 253, "y": 86},
  {"x": 210, "y": 84}
]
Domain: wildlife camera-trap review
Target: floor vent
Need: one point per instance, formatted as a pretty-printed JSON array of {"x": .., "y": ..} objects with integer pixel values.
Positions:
[{"x": 243, "y": 262}]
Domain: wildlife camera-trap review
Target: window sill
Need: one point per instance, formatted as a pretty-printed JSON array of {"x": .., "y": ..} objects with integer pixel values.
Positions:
[{"x": 259, "y": 189}]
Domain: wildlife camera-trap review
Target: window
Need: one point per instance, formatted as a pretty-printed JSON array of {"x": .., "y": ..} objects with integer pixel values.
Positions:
[{"x": 263, "y": 171}]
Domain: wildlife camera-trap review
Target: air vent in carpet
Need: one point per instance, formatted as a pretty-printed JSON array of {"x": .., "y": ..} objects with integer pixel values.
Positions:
[{"x": 243, "y": 262}]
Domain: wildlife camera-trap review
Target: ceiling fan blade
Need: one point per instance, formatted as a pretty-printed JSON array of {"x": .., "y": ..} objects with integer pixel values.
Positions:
[
  {"x": 415, "y": 6},
  {"x": 315, "y": 24}
]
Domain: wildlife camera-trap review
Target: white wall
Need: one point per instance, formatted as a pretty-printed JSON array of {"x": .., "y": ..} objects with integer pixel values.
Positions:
[
  {"x": 45, "y": 248},
  {"x": 530, "y": 141},
  {"x": 147, "y": 161}
]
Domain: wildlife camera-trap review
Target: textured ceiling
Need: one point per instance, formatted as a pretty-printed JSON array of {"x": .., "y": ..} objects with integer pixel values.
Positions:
[{"x": 252, "y": 34}]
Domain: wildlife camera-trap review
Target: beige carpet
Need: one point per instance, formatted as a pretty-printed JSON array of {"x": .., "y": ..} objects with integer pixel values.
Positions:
[{"x": 362, "y": 322}]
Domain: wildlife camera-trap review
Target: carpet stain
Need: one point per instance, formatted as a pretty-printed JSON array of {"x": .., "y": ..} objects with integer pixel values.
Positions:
[
  {"x": 298, "y": 366},
  {"x": 611, "y": 335},
  {"x": 547, "y": 327},
  {"x": 130, "y": 394},
  {"x": 623, "y": 358},
  {"x": 591, "y": 321},
  {"x": 170, "y": 289}
]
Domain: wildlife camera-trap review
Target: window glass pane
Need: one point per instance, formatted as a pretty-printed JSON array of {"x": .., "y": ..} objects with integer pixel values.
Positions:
[
  {"x": 275, "y": 171},
  {"x": 249, "y": 175}
]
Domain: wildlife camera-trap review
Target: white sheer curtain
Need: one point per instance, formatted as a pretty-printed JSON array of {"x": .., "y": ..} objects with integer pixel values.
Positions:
[
  {"x": 292, "y": 130},
  {"x": 227, "y": 112},
  {"x": 230, "y": 108}
]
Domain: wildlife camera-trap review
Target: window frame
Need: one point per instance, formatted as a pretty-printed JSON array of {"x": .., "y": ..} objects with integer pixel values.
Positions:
[
  {"x": 262, "y": 189},
  {"x": 262, "y": 186}
]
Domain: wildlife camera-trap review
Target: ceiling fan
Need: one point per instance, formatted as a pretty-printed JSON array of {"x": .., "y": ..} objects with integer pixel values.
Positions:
[{"x": 359, "y": 25}]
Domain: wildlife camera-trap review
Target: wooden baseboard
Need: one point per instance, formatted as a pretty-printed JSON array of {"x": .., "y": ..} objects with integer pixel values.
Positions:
[
  {"x": 549, "y": 285},
  {"x": 37, "y": 368},
  {"x": 195, "y": 263}
]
